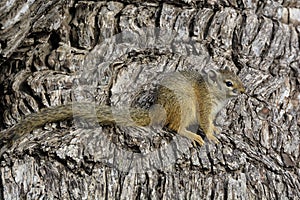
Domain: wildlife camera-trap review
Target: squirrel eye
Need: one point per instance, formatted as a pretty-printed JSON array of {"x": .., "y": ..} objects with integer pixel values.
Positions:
[{"x": 229, "y": 83}]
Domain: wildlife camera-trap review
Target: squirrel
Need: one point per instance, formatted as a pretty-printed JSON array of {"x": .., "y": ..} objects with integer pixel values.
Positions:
[{"x": 186, "y": 98}]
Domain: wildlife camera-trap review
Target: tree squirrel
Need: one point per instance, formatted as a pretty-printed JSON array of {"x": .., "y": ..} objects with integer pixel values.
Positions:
[{"x": 187, "y": 98}]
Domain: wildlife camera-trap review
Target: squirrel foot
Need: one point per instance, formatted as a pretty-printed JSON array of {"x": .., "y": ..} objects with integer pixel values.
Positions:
[
  {"x": 213, "y": 138},
  {"x": 210, "y": 134},
  {"x": 216, "y": 130},
  {"x": 193, "y": 136}
]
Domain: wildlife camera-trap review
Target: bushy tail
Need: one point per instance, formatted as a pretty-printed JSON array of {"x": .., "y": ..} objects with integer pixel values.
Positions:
[
  {"x": 35, "y": 120},
  {"x": 103, "y": 114}
]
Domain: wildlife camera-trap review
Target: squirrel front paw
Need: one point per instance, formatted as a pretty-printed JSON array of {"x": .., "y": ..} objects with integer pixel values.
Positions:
[{"x": 210, "y": 134}]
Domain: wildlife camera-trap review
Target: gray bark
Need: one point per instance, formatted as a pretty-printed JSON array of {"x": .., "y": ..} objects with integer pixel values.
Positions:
[{"x": 56, "y": 52}]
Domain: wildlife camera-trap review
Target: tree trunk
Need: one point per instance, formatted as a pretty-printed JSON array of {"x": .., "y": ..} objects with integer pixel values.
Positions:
[{"x": 56, "y": 52}]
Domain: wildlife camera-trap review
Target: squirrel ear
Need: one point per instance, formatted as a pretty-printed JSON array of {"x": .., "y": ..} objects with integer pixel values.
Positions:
[{"x": 212, "y": 76}]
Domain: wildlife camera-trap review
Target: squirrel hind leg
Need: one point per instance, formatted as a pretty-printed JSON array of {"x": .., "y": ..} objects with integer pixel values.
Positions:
[{"x": 193, "y": 136}]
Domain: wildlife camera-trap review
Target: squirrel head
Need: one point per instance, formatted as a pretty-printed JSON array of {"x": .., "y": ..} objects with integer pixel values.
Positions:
[{"x": 226, "y": 83}]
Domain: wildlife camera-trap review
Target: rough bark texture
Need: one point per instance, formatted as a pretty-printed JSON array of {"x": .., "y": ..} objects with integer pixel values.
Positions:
[{"x": 46, "y": 45}]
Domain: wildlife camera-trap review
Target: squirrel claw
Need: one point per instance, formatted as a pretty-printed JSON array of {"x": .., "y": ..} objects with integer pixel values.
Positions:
[
  {"x": 213, "y": 138},
  {"x": 199, "y": 140},
  {"x": 193, "y": 136}
]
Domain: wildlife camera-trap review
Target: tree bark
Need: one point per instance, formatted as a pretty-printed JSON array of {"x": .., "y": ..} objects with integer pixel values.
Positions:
[{"x": 56, "y": 52}]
